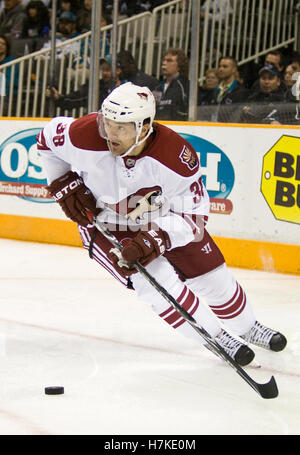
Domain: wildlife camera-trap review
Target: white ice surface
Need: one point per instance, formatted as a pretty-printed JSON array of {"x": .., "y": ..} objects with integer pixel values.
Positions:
[{"x": 65, "y": 321}]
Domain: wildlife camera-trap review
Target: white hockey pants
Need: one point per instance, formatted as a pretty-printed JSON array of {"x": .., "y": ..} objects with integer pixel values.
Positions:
[{"x": 213, "y": 300}]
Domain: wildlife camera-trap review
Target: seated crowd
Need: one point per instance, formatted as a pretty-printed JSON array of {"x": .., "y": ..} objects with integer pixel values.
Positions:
[
  {"x": 31, "y": 18},
  {"x": 252, "y": 93},
  {"x": 266, "y": 94}
]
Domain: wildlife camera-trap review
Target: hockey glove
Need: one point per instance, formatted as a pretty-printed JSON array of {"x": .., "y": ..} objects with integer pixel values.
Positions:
[
  {"x": 144, "y": 247},
  {"x": 73, "y": 197}
]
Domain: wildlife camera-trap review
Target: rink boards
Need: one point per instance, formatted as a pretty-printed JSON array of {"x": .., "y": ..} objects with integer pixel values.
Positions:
[{"x": 252, "y": 174}]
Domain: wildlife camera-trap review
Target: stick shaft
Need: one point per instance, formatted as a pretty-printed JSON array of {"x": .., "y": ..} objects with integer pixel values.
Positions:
[{"x": 267, "y": 390}]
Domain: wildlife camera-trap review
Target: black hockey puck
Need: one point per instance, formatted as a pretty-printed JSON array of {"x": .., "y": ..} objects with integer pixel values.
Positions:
[{"x": 54, "y": 390}]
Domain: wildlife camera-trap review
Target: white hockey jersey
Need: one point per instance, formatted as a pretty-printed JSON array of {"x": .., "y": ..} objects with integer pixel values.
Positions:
[{"x": 168, "y": 164}]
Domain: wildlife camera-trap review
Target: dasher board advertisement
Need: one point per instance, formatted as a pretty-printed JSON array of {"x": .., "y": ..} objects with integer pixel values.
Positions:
[{"x": 252, "y": 174}]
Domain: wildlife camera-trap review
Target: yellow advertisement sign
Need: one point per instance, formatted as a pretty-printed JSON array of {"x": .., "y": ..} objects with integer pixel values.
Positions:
[{"x": 280, "y": 183}]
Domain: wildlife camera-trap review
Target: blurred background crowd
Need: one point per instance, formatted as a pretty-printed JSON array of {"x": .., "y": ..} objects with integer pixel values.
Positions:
[{"x": 262, "y": 90}]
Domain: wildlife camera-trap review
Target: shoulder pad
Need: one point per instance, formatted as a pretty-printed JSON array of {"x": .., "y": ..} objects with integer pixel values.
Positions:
[
  {"x": 84, "y": 134},
  {"x": 174, "y": 152}
]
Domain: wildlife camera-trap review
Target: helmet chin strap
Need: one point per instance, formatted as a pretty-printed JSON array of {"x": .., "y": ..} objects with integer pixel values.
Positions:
[{"x": 136, "y": 144}]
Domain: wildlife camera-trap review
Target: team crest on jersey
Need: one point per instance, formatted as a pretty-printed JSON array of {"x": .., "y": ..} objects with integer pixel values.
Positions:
[
  {"x": 188, "y": 158},
  {"x": 129, "y": 162}
]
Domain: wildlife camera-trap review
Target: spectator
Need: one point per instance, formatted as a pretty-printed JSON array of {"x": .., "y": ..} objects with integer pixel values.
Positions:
[
  {"x": 6, "y": 57},
  {"x": 12, "y": 19},
  {"x": 291, "y": 75},
  {"x": 5, "y": 83},
  {"x": 292, "y": 94},
  {"x": 229, "y": 91},
  {"x": 248, "y": 74},
  {"x": 37, "y": 23},
  {"x": 288, "y": 77},
  {"x": 264, "y": 103},
  {"x": 126, "y": 71},
  {"x": 269, "y": 85},
  {"x": 69, "y": 54},
  {"x": 66, "y": 30},
  {"x": 133, "y": 7},
  {"x": 172, "y": 94},
  {"x": 79, "y": 64},
  {"x": 275, "y": 58},
  {"x": 73, "y": 6},
  {"x": 79, "y": 98},
  {"x": 129, "y": 71},
  {"x": 46, "y": 2},
  {"x": 295, "y": 64},
  {"x": 85, "y": 17},
  {"x": 211, "y": 82},
  {"x": 67, "y": 25}
]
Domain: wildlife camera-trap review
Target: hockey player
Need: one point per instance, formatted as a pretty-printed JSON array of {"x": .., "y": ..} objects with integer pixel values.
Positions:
[{"x": 144, "y": 181}]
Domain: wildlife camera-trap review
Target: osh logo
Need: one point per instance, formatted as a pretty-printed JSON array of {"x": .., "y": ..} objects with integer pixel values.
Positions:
[
  {"x": 280, "y": 182},
  {"x": 21, "y": 172},
  {"x": 217, "y": 173}
]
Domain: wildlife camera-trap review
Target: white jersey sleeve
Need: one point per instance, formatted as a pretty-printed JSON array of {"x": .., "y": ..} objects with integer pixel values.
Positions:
[{"x": 53, "y": 147}]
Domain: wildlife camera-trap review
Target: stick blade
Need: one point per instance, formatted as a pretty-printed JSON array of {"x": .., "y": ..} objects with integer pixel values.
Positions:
[{"x": 269, "y": 389}]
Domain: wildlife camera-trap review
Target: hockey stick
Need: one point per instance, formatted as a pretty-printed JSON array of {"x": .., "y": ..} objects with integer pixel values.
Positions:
[{"x": 266, "y": 390}]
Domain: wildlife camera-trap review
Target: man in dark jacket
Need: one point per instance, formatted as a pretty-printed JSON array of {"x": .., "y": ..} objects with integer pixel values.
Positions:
[
  {"x": 126, "y": 71},
  {"x": 12, "y": 19},
  {"x": 172, "y": 94},
  {"x": 79, "y": 98},
  {"x": 266, "y": 103},
  {"x": 129, "y": 71},
  {"x": 229, "y": 91}
]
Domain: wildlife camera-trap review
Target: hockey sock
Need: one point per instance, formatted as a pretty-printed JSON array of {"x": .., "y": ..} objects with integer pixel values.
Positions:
[
  {"x": 226, "y": 298},
  {"x": 167, "y": 277}
]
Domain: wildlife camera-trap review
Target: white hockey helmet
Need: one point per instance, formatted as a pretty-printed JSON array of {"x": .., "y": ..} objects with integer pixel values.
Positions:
[{"x": 129, "y": 103}]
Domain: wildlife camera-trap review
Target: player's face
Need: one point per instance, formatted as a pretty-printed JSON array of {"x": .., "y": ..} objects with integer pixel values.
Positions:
[{"x": 120, "y": 136}]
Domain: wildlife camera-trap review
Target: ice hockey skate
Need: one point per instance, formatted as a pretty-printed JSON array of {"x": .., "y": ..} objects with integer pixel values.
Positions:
[
  {"x": 264, "y": 337},
  {"x": 237, "y": 350}
]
